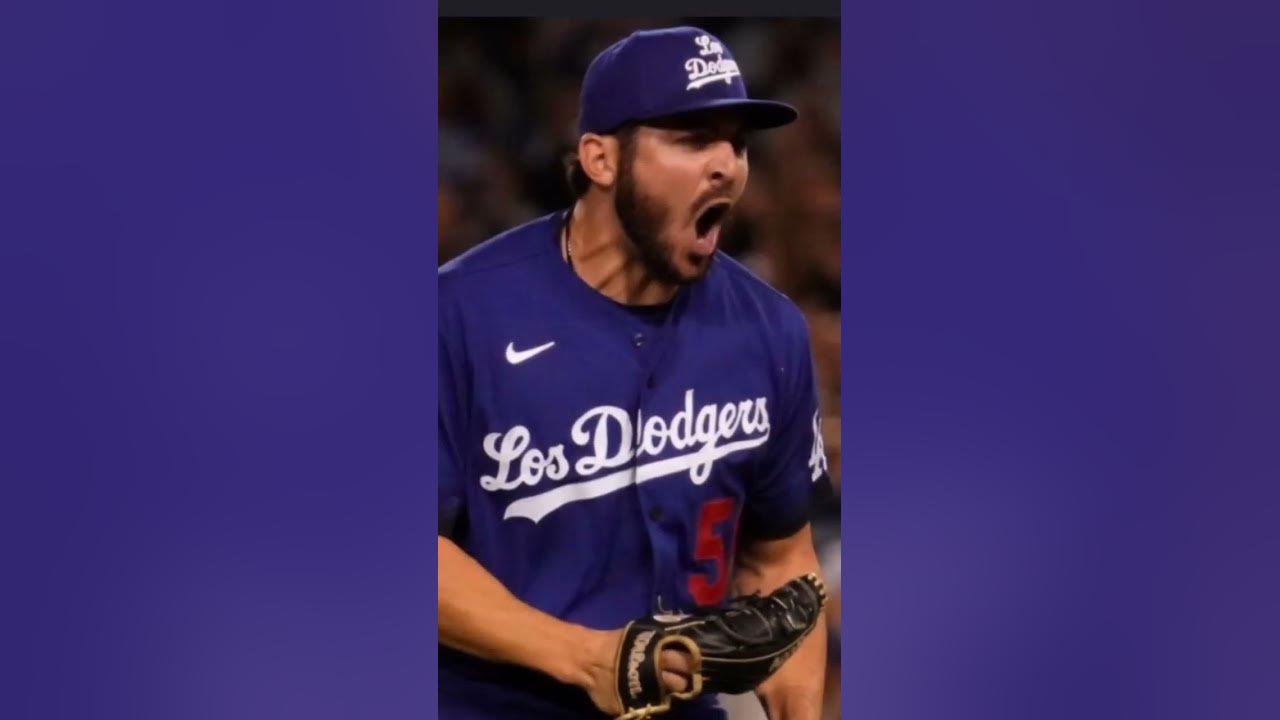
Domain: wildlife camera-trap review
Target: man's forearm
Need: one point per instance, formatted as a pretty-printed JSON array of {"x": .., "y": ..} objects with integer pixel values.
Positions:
[
  {"x": 795, "y": 691},
  {"x": 482, "y": 618}
]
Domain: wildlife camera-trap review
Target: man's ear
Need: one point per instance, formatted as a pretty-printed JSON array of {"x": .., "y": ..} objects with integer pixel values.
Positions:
[{"x": 599, "y": 156}]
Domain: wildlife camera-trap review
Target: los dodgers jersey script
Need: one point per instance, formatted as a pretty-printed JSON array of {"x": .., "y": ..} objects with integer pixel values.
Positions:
[{"x": 604, "y": 462}]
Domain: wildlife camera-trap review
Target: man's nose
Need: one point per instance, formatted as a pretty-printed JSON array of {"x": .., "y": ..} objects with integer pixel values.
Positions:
[{"x": 723, "y": 163}]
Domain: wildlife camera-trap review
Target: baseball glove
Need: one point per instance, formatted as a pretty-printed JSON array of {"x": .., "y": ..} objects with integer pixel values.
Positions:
[{"x": 731, "y": 649}]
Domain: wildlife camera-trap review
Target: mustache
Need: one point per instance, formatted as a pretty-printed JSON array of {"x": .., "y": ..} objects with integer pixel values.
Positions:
[{"x": 709, "y": 197}]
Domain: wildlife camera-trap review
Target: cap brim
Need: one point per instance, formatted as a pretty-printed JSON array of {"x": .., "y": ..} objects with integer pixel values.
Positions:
[{"x": 758, "y": 114}]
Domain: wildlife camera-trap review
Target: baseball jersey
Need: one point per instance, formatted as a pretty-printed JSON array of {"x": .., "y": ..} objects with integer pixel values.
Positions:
[{"x": 602, "y": 461}]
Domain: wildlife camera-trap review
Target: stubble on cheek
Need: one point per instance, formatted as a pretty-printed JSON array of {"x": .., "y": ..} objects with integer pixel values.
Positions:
[{"x": 646, "y": 222}]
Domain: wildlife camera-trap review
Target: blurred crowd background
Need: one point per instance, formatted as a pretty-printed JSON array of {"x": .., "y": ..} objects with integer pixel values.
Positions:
[{"x": 508, "y": 110}]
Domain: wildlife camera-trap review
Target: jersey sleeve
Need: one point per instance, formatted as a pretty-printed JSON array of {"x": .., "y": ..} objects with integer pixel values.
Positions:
[
  {"x": 795, "y": 463},
  {"x": 451, "y": 428}
]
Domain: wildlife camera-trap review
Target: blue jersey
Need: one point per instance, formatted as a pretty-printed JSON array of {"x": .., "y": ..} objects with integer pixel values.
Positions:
[{"x": 603, "y": 462}]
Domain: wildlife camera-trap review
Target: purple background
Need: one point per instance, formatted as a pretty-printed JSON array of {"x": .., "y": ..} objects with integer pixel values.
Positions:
[
  {"x": 1061, "y": 256},
  {"x": 216, "y": 273},
  {"x": 218, "y": 284}
]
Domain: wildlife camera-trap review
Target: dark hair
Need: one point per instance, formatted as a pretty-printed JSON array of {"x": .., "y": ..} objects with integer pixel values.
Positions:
[{"x": 579, "y": 182}]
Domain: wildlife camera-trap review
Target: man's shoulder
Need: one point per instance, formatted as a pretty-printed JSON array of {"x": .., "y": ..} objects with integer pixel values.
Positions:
[{"x": 506, "y": 253}]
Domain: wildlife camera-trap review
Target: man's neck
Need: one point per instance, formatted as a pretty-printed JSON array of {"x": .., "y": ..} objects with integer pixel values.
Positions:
[{"x": 604, "y": 259}]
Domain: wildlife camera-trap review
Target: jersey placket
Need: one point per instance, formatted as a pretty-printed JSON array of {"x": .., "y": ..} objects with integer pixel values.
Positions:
[{"x": 660, "y": 522}]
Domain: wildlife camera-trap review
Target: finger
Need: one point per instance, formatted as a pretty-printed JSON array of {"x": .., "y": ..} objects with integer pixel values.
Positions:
[
  {"x": 674, "y": 682},
  {"x": 676, "y": 661}
]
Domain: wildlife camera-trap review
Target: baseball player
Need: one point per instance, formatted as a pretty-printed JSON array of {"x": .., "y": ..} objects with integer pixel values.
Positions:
[{"x": 628, "y": 419}]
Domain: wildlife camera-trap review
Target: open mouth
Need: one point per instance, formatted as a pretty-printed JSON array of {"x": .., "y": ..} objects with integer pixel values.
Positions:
[{"x": 708, "y": 224}]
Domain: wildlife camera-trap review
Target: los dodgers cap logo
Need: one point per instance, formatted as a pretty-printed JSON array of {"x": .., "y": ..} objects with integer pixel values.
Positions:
[{"x": 658, "y": 73}]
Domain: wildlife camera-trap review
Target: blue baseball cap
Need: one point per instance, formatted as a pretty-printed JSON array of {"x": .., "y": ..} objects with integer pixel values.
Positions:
[{"x": 654, "y": 74}]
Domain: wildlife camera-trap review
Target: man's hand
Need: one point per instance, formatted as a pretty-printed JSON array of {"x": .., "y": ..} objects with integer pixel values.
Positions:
[
  {"x": 642, "y": 670},
  {"x": 782, "y": 703},
  {"x": 601, "y": 674}
]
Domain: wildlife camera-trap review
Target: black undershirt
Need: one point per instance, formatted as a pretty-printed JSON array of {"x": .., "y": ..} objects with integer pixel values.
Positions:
[{"x": 654, "y": 315}]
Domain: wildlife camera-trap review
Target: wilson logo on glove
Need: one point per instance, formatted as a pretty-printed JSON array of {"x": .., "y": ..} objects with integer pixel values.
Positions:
[{"x": 633, "y": 662}]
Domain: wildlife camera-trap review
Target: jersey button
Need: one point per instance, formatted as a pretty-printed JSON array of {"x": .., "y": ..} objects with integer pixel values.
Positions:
[
  {"x": 638, "y": 340},
  {"x": 650, "y": 382},
  {"x": 655, "y": 514}
]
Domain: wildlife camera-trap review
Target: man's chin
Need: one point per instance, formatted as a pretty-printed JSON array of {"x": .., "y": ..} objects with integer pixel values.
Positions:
[{"x": 674, "y": 273}]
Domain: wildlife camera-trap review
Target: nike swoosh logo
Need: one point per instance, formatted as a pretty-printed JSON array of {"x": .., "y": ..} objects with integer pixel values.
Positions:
[{"x": 515, "y": 357}]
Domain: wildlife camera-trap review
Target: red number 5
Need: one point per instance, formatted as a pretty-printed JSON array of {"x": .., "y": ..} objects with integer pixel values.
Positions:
[{"x": 710, "y": 588}]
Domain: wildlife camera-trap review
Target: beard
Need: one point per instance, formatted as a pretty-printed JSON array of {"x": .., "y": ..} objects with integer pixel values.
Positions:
[{"x": 642, "y": 218}]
